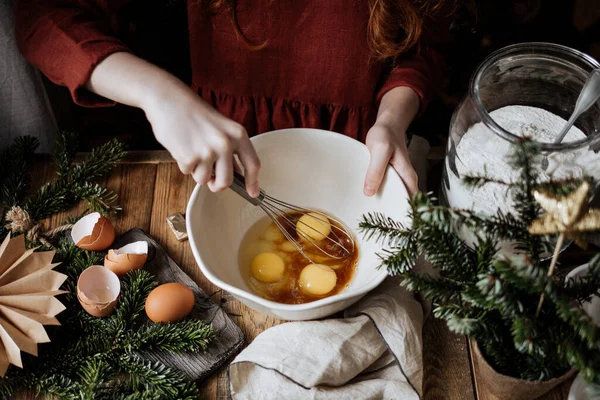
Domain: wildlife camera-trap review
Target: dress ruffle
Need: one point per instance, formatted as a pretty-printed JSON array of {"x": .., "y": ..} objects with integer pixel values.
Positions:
[{"x": 262, "y": 114}]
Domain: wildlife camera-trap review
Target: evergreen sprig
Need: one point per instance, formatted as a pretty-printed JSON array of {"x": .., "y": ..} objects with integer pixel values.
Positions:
[
  {"x": 187, "y": 336},
  {"x": 89, "y": 356},
  {"x": 489, "y": 294},
  {"x": 154, "y": 377},
  {"x": 14, "y": 181},
  {"x": 16, "y": 159},
  {"x": 75, "y": 181}
]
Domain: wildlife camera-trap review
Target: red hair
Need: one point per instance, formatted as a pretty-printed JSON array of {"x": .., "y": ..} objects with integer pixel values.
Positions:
[{"x": 395, "y": 26}]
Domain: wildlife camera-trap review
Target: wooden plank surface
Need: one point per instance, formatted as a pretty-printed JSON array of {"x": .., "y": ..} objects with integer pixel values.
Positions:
[
  {"x": 172, "y": 191},
  {"x": 151, "y": 187},
  {"x": 447, "y": 370}
]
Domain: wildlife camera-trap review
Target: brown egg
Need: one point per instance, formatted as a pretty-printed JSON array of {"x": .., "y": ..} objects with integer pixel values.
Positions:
[
  {"x": 123, "y": 260},
  {"x": 93, "y": 232},
  {"x": 169, "y": 302}
]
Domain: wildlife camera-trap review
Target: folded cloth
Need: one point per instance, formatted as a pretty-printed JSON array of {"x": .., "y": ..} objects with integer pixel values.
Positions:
[{"x": 373, "y": 352}]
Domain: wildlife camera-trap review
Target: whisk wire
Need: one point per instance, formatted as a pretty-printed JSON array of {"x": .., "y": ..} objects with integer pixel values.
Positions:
[{"x": 280, "y": 212}]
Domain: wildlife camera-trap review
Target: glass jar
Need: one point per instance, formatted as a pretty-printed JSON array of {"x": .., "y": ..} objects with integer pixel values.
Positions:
[{"x": 527, "y": 89}]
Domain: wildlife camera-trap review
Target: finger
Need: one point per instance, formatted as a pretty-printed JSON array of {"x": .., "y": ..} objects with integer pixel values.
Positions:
[
  {"x": 251, "y": 163},
  {"x": 407, "y": 173},
  {"x": 223, "y": 176},
  {"x": 380, "y": 158},
  {"x": 187, "y": 167},
  {"x": 203, "y": 172},
  {"x": 236, "y": 164}
]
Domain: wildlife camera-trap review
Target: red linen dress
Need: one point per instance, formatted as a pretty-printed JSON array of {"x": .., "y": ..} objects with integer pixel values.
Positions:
[{"x": 315, "y": 70}]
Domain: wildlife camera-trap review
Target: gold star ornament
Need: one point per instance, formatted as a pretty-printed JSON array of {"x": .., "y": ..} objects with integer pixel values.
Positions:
[{"x": 568, "y": 215}]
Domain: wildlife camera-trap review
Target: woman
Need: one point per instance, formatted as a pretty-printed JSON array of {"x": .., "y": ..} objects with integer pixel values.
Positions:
[{"x": 364, "y": 68}]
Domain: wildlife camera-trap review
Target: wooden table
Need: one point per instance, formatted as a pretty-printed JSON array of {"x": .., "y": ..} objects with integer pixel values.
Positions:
[{"x": 150, "y": 187}]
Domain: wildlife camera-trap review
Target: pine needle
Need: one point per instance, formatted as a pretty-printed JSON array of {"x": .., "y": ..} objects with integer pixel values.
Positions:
[
  {"x": 93, "y": 358},
  {"x": 491, "y": 297}
]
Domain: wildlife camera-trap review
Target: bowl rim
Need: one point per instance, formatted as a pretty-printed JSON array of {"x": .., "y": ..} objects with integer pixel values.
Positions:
[{"x": 344, "y": 295}]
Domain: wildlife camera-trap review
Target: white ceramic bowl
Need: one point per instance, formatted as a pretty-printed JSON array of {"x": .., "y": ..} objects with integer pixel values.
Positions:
[{"x": 307, "y": 167}]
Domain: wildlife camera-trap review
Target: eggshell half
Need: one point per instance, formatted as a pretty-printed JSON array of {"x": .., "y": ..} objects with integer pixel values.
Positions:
[
  {"x": 93, "y": 232},
  {"x": 169, "y": 302},
  {"x": 131, "y": 256},
  {"x": 98, "y": 290}
]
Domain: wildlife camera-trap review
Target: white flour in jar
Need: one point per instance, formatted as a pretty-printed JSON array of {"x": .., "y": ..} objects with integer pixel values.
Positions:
[{"x": 482, "y": 152}]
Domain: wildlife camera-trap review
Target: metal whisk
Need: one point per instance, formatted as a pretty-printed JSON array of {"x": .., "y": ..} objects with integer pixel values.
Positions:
[{"x": 339, "y": 244}]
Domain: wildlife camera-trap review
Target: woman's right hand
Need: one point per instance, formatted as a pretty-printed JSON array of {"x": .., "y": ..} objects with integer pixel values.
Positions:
[{"x": 202, "y": 141}]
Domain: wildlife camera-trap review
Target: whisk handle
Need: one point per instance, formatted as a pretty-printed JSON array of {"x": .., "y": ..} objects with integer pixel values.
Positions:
[{"x": 239, "y": 186}]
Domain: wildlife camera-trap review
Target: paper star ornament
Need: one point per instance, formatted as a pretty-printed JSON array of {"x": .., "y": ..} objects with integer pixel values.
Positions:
[
  {"x": 569, "y": 215},
  {"x": 28, "y": 287}
]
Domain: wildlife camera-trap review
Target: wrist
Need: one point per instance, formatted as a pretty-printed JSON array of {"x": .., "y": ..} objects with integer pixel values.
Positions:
[
  {"x": 398, "y": 108},
  {"x": 161, "y": 87}
]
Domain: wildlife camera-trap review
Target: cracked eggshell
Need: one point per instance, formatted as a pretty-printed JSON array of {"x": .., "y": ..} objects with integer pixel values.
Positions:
[
  {"x": 98, "y": 290},
  {"x": 93, "y": 232},
  {"x": 123, "y": 260}
]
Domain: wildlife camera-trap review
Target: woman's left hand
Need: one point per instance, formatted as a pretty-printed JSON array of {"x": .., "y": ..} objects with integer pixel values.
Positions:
[
  {"x": 386, "y": 140},
  {"x": 388, "y": 147}
]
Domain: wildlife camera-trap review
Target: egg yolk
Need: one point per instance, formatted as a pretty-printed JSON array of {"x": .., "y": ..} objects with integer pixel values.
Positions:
[
  {"x": 317, "y": 279},
  {"x": 313, "y": 225},
  {"x": 268, "y": 267},
  {"x": 288, "y": 246},
  {"x": 273, "y": 234}
]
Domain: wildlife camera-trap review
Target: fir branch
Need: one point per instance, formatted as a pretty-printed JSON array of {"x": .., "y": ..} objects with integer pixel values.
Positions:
[
  {"x": 524, "y": 156},
  {"x": 74, "y": 183},
  {"x": 444, "y": 219},
  {"x": 50, "y": 199},
  {"x": 97, "y": 198},
  {"x": 94, "y": 375},
  {"x": 524, "y": 335},
  {"x": 578, "y": 320},
  {"x": 377, "y": 227},
  {"x": 189, "y": 335},
  {"x": 135, "y": 287},
  {"x": 139, "y": 395},
  {"x": 65, "y": 149},
  {"x": 55, "y": 384},
  {"x": 100, "y": 161},
  {"x": 492, "y": 293},
  {"x": 460, "y": 320},
  {"x": 16, "y": 159},
  {"x": 505, "y": 227},
  {"x": 7, "y": 388},
  {"x": 439, "y": 289},
  {"x": 399, "y": 260},
  {"x": 583, "y": 358},
  {"x": 563, "y": 186},
  {"x": 447, "y": 252},
  {"x": 94, "y": 342},
  {"x": 87, "y": 353},
  {"x": 157, "y": 378},
  {"x": 485, "y": 250},
  {"x": 478, "y": 181},
  {"x": 489, "y": 297}
]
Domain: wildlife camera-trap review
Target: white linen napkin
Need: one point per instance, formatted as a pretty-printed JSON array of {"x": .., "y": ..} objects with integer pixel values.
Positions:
[{"x": 373, "y": 352}]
